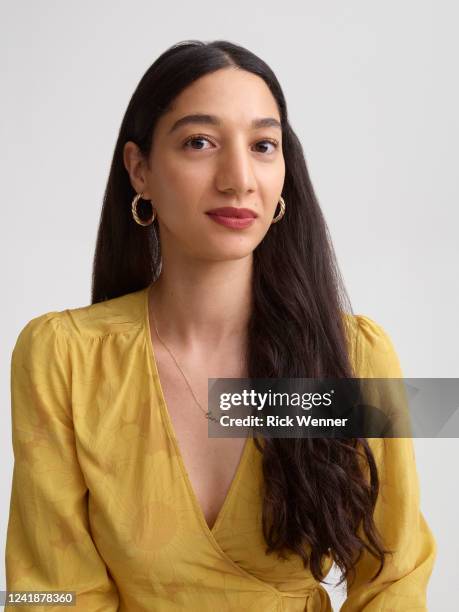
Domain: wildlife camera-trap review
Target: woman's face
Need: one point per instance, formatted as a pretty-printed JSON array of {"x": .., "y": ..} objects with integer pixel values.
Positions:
[{"x": 222, "y": 160}]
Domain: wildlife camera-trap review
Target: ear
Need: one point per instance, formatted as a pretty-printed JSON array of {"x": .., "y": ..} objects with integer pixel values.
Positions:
[{"x": 135, "y": 164}]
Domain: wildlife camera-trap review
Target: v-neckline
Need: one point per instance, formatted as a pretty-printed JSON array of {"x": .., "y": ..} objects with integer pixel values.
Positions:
[{"x": 173, "y": 437}]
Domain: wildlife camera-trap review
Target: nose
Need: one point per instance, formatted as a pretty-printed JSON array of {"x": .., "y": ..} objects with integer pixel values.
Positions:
[{"x": 235, "y": 170}]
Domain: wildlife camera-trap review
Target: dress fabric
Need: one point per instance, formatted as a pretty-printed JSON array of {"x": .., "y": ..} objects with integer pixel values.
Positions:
[{"x": 101, "y": 502}]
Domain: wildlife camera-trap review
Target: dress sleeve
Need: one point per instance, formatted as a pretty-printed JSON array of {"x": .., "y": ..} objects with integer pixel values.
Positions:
[
  {"x": 49, "y": 545},
  {"x": 402, "y": 584}
]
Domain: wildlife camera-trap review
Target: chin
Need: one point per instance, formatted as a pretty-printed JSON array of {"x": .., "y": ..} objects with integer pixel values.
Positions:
[{"x": 238, "y": 250}]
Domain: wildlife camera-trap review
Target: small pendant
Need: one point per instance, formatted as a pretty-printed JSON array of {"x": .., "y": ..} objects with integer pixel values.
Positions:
[{"x": 210, "y": 417}]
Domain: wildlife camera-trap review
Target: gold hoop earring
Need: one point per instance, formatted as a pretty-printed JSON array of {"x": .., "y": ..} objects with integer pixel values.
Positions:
[
  {"x": 282, "y": 211},
  {"x": 137, "y": 219}
]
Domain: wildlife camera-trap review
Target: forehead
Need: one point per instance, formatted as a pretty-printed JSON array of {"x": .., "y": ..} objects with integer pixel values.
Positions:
[{"x": 234, "y": 95}]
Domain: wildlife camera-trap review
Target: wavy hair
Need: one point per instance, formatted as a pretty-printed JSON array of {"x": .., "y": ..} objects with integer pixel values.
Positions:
[{"x": 317, "y": 492}]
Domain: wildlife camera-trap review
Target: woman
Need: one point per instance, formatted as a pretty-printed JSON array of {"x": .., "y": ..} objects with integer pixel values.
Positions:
[{"x": 212, "y": 260}]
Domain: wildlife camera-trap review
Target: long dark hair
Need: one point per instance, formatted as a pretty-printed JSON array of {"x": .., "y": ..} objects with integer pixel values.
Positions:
[{"x": 318, "y": 493}]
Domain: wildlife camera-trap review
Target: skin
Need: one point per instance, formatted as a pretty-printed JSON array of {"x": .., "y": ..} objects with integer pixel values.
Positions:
[{"x": 201, "y": 301}]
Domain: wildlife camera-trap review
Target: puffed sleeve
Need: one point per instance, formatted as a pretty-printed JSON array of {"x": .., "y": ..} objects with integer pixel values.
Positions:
[
  {"x": 49, "y": 545},
  {"x": 402, "y": 585}
]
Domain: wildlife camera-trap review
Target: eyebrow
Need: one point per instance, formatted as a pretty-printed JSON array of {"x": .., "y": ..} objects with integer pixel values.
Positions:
[{"x": 202, "y": 118}]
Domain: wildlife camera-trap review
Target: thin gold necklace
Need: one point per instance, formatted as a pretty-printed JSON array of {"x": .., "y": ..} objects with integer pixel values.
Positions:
[{"x": 207, "y": 413}]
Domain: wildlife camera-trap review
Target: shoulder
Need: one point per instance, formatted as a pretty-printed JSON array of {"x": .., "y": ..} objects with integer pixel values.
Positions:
[
  {"x": 116, "y": 315},
  {"x": 371, "y": 348},
  {"x": 39, "y": 361},
  {"x": 39, "y": 332}
]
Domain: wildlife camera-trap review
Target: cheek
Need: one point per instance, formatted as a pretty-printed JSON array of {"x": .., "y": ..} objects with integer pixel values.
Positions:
[
  {"x": 179, "y": 201},
  {"x": 178, "y": 183},
  {"x": 271, "y": 180},
  {"x": 279, "y": 177}
]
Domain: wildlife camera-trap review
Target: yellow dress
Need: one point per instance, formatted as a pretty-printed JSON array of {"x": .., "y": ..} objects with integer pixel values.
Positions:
[{"x": 102, "y": 505}]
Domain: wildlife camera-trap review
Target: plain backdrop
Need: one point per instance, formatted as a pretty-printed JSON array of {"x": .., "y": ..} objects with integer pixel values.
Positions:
[{"x": 372, "y": 93}]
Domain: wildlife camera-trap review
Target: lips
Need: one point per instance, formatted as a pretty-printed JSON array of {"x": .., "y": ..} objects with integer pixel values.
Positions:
[{"x": 231, "y": 211}]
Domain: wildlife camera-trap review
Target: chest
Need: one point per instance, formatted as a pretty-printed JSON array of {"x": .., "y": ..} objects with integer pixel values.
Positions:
[{"x": 211, "y": 463}]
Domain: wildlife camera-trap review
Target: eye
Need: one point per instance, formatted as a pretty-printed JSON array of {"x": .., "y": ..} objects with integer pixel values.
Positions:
[
  {"x": 196, "y": 139},
  {"x": 274, "y": 143}
]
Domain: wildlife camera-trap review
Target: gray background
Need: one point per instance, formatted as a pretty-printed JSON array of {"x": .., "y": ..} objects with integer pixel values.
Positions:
[{"x": 372, "y": 93}]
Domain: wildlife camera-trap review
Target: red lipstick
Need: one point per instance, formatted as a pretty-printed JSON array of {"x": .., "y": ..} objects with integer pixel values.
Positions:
[{"x": 229, "y": 216}]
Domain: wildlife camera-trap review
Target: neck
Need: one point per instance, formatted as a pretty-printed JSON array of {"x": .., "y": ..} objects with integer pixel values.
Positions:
[{"x": 202, "y": 304}]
